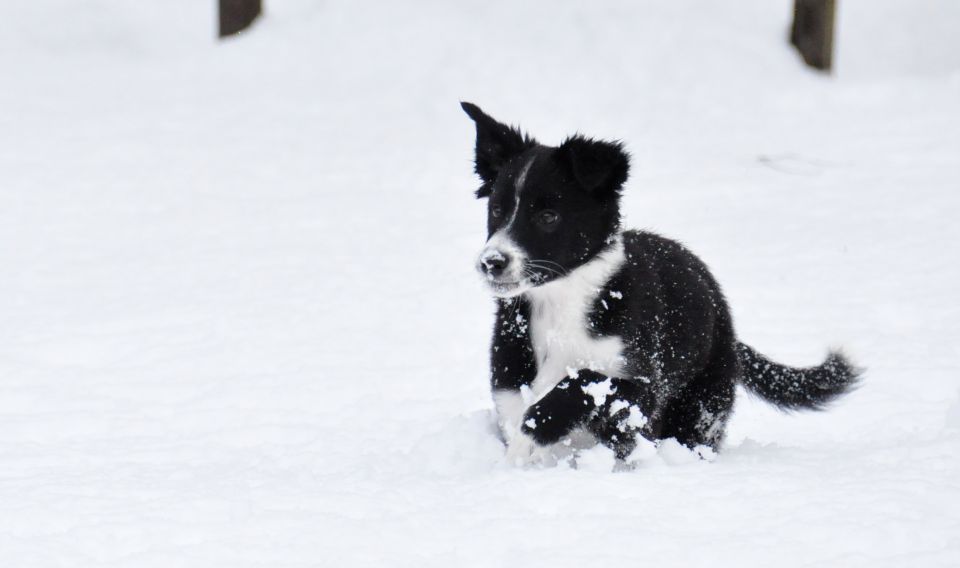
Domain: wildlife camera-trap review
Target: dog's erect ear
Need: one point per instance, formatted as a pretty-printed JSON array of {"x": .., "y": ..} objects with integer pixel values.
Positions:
[
  {"x": 600, "y": 167},
  {"x": 496, "y": 145}
]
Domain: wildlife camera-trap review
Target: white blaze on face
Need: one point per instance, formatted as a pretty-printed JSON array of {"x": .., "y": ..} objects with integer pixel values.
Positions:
[
  {"x": 522, "y": 179},
  {"x": 501, "y": 247}
]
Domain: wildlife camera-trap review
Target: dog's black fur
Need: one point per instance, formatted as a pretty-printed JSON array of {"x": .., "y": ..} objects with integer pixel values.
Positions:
[{"x": 681, "y": 356}]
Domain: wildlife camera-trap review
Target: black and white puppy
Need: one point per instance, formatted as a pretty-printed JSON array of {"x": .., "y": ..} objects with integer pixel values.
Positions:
[{"x": 619, "y": 334}]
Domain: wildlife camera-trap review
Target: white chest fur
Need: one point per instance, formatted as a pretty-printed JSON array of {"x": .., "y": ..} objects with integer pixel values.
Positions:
[{"x": 562, "y": 341}]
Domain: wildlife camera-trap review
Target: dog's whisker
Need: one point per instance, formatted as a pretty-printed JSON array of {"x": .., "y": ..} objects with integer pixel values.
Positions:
[
  {"x": 535, "y": 276},
  {"x": 535, "y": 264},
  {"x": 516, "y": 307},
  {"x": 543, "y": 263}
]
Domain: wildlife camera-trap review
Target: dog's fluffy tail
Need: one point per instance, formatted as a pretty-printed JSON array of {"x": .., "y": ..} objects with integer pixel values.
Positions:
[{"x": 790, "y": 388}]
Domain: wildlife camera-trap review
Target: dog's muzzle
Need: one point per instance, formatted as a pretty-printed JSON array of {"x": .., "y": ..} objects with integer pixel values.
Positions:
[{"x": 502, "y": 272}]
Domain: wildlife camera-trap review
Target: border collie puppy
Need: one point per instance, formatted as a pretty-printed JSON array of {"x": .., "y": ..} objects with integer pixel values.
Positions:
[{"x": 619, "y": 334}]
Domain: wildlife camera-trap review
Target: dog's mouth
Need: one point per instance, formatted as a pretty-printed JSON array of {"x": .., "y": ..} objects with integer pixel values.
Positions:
[{"x": 507, "y": 289}]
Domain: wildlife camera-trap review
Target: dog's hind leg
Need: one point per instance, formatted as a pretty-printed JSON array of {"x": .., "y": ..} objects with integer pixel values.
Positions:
[
  {"x": 614, "y": 410},
  {"x": 698, "y": 414}
]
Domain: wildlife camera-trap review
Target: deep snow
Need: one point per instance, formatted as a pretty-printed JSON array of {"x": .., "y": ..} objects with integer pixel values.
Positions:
[{"x": 241, "y": 326}]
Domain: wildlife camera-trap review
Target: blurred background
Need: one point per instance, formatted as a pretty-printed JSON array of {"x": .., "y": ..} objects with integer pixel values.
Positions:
[{"x": 241, "y": 322}]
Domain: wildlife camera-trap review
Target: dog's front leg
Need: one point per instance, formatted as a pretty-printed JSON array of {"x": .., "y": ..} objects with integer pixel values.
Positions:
[
  {"x": 512, "y": 369},
  {"x": 510, "y": 406},
  {"x": 614, "y": 410},
  {"x": 522, "y": 449}
]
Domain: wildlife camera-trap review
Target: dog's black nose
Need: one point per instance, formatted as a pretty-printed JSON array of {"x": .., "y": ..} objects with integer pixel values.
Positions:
[{"x": 494, "y": 263}]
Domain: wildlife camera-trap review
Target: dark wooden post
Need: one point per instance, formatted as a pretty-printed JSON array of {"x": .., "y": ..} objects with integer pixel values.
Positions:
[
  {"x": 237, "y": 15},
  {"x": 812, "y": 31}
]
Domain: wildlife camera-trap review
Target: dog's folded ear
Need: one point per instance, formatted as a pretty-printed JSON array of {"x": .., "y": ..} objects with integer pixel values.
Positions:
[
  {"x": 496, "y": 144},
  {"x": 599, "y": 167}
]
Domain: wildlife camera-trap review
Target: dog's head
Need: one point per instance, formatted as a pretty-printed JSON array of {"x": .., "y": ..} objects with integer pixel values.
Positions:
[{"x": 549, "y": 210}]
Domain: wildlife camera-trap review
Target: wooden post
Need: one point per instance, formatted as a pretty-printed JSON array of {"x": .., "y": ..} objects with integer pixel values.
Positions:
[
  {"x": 812, "y": 31},
  {"x": 237, "y": 15}
]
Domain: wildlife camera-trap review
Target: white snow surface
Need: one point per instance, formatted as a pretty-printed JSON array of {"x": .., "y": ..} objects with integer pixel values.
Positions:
[{"x": 242, "y": 326}]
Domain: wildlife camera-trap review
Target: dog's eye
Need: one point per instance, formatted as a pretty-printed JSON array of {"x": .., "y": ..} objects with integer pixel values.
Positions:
[
  {"x": 496, "y": 211},
  {"x": 548, "y": 217}
]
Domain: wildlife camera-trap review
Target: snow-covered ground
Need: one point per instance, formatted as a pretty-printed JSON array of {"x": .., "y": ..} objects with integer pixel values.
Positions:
[{"x": 241, "y": 325}]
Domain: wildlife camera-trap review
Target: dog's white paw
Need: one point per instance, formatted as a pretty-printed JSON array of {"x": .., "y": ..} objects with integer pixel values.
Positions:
[
  {"x": 520, "y": 450},
  {"x": 523, "y": 451}
]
